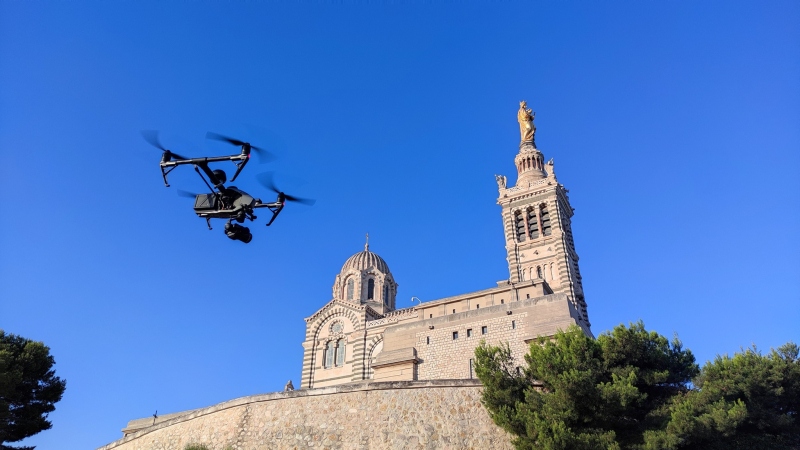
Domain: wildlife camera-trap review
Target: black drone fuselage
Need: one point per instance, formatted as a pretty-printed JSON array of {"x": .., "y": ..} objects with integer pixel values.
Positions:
[{"x": 232, "y": 203}]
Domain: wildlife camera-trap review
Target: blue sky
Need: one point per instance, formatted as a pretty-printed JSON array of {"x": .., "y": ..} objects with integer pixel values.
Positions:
[{"x": 673, "y": 124}]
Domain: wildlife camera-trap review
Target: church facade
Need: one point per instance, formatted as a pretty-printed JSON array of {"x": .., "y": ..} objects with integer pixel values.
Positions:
[{"x": 359, "y": 335}]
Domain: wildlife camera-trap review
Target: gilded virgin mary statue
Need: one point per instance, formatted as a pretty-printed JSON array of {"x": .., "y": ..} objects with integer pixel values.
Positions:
[{"x": 526, "y": 127}]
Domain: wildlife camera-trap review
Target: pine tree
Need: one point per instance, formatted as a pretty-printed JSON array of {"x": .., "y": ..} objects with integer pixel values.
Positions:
[
  {"x": 29, "y": 388},
  {"x": 630, "y": 389}
]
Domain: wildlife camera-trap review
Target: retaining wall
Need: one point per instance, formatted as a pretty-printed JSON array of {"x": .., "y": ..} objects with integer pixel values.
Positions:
[{"x": 436, "y": 414}]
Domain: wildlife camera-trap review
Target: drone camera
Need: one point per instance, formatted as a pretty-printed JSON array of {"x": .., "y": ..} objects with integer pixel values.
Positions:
[{"x": 238, "y": 232}]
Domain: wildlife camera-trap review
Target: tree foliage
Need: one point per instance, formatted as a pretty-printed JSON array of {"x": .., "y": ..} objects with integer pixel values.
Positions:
[
  {"x": 633, "y": 389},
  {"x": 29, "y": 388}
]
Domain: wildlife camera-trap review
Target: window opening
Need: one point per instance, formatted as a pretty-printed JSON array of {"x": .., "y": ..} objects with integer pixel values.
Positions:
[
  {"x": 527, "y": 295},
  {"x": 478, "y": 306},
  {"x": 370, "y": 289},
  {"x": 533, "y": 224},
  {"x": 513, "y": 324},
  {"x": 328, "y": 357},
  {"x": 340, "y": 353},
  {"x": 428, "y": 340},
  {"x": 455, "y": 335},
  {"x": 519, "y": 225},
  {"x": 538, "y": 272},
  {"x": 350, "y": 284},
  {"x": 484, "y": 329},
  {"x": 502, "y": 301},
  {"x": 469, "y": 332},
  {"x": 430, "y": 316},
  {"x": 454, "y": 311},
  {"x": 545, "y": 216}
]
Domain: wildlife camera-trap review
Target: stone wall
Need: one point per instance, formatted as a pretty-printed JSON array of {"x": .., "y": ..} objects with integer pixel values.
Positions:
[
  {"x": 443, "y": 356},
  {"x": 440, "y": 414}
]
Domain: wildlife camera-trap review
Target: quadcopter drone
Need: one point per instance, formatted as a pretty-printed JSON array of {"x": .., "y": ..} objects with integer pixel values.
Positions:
[{"x": 225, "y": 202}]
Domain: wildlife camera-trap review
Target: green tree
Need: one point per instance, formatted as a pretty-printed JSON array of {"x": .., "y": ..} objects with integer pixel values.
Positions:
[
  {"x": 28, "y": 388},
  {"x": 580, "y": 393},
  {"x": 630, "y": 389},
  {"x": 748, "y": 401}
]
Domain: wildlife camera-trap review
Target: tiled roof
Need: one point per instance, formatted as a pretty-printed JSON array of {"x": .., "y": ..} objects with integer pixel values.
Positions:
[{"x": 365, "y": 260}]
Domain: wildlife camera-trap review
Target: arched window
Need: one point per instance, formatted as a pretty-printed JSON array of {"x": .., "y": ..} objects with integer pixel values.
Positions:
[
  {"x": 545, "y": 216},
  {"x": 519, "y": 225},
  {"x": 533, "y": 224},
  {"x": 386, "y": 294},
  {"x": 370, "y": 289},
  {"x": 328, "y": 357},
  {"x": 340, "y": 353},
  {"x": 538, "y": 272},
  {"x": 350, "y": 284}
]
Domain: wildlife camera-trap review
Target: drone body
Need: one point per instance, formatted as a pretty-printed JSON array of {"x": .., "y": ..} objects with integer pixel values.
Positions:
[{"x": 223, "y": 202}]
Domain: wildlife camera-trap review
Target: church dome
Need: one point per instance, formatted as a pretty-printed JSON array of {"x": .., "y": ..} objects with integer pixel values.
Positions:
[
  {"x": 365, "y": 260},
  {"x": 365, "y": 280}
]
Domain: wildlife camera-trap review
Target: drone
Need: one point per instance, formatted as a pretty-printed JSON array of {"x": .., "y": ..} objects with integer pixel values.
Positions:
[{"x": 225, "y": 202}]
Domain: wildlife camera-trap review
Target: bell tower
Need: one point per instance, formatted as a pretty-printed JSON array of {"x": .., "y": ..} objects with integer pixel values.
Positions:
[{"x": 537, "y": 219}]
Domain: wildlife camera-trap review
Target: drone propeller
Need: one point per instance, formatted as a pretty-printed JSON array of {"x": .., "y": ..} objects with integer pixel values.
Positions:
[
  {"x": 186, "y": 194},
  {"x": 151, "y": 136},
  {"x": 266, "y": 180},
  {"x": 263, "y": 155}
]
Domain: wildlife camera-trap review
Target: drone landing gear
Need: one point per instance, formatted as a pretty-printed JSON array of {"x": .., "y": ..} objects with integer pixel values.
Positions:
[
  {"x": 164, "y": 174},
  {"x": 208, "y": 222}
]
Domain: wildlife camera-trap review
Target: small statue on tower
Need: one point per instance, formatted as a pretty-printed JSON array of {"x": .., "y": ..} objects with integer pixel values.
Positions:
[
  {"x": 526, "y": 127},
  {"x": 501, "y": 181}
]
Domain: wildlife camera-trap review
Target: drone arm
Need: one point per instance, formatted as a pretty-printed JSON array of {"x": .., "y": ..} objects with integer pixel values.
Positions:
[
  {"x": 203, "y": 163},
  {"x": 272, "y": 206}
]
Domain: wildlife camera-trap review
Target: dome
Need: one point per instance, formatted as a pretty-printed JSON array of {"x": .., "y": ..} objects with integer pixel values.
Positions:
[{"x": 364, "y": 260}]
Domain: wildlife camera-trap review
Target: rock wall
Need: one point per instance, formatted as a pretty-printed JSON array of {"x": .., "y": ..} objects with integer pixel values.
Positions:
[
  {"x": 438, "y": 414},
  {"x": 442, "y": 356}
]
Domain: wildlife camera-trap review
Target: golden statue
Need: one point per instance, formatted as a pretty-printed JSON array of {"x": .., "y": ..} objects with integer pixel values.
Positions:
[{"x": 526, "y": 127}]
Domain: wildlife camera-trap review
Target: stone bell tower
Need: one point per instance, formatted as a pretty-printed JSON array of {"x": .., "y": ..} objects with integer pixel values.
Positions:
[{"x": 537, "y": 219}]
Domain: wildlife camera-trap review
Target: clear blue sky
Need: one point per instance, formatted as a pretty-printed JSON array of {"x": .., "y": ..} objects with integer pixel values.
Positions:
[{"x": 675, "y": 125}]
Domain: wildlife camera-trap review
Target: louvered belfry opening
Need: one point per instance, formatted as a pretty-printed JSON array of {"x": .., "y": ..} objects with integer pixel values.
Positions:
[
  {"x": 519, "y": 223},
  {"x": 533, "y": 223},
  {"x": 370, "y": 289},
  {"x": 545, "y": 216}
]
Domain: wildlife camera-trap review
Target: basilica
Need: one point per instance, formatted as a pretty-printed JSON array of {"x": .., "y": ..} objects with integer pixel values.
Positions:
[{"x": 359, "y": 335}]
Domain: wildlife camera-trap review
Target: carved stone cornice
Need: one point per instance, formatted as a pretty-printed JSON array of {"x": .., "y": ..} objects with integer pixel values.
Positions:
[
  {"x": 394, "y": 316},
  {"x": 336, "y": 302}
]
